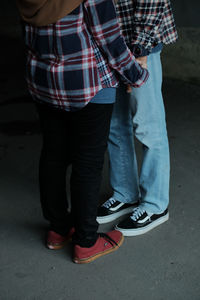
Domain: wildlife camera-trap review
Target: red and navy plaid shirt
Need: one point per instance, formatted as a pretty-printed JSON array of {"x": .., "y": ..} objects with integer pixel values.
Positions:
[
  {"x": 146, "y": 23},
  {"x": 70, "y": 61}
]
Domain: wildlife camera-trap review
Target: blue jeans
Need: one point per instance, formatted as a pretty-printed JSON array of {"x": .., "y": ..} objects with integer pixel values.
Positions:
[{"x": 141, "y": 114}]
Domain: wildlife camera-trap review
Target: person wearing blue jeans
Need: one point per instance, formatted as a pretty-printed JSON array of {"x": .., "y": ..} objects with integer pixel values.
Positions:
[{"x": 139, "y": 113}]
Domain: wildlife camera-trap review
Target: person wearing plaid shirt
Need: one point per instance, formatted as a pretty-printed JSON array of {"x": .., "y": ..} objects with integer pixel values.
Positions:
[
  {"x": 146, "y": 26},
  {"x": 70, "y": 61},
  {"x": 73, "y": 69}
]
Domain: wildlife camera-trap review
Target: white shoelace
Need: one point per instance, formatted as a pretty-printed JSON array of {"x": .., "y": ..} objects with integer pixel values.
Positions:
[
  {"x": 109, "y": 202},
  {"x": 137, "y": 213}
]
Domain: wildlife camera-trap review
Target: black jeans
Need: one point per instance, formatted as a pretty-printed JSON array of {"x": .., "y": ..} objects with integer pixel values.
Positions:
[{"x": 78, "y": 139}]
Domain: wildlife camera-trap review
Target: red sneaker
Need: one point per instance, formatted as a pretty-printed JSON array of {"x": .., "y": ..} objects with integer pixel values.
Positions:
[
  {"x": 106, "y": 243},
  {"x": 56, "y": 241}
]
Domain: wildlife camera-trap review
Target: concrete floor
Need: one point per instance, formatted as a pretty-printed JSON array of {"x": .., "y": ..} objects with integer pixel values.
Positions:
[{"x": 160, "y": 265}]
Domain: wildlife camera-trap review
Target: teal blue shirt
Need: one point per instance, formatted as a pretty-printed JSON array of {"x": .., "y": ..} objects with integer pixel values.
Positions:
[{"x": 105, "y": 96}]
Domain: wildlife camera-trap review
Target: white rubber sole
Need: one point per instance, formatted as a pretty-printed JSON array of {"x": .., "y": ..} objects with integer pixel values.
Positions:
[
  {"x": 138, "y": 231},
  {"x": 114, "y": 216}
]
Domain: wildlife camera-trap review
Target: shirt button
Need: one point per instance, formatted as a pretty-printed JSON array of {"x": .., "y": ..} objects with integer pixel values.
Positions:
[{"x": 137, "y": 51}]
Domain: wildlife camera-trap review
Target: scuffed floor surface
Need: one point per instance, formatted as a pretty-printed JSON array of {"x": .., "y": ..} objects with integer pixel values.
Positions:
[{"x": 160, "y": 265}]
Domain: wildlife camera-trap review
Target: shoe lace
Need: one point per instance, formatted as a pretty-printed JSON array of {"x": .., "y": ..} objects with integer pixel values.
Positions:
[
  {"x": 137, "y": 213},
  {"x": 109, "y": 202},
  {"x": 108, "y": 239}
]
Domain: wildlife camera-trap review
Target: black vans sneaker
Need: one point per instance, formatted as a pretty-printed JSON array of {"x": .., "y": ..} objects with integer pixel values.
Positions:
[
  {"x": 141, "y": 222},
  {"x": 113, "y": 209}
]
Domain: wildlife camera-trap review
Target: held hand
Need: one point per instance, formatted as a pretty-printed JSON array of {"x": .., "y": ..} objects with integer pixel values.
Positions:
[
  {"x": 128, "y": 88},
  {"x": 143, "y": 63}
]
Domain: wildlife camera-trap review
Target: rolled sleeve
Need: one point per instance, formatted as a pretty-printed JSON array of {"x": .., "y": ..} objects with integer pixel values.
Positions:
[{"x": 105, "y": 30}]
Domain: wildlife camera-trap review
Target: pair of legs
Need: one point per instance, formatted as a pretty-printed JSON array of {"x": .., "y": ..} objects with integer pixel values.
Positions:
[
  {"x": 78, "y": 139},
  {"x": 141, "y": 115}
]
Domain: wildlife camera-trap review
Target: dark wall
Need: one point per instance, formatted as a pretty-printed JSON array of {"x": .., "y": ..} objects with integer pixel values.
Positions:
[{"x": 187, "y": 13}]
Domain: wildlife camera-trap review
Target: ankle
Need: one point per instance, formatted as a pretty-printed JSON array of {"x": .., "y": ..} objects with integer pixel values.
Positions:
[{"x": 85, "y": 242}]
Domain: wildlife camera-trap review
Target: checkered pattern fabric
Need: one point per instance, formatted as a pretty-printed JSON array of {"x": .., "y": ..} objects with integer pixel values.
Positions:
[
  {"x": 70, "y": 61},
  {"x": 147, "y": 22}
]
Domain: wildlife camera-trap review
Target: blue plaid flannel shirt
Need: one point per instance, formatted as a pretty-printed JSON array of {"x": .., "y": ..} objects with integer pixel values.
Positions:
[{"x": 70, "y": 61}]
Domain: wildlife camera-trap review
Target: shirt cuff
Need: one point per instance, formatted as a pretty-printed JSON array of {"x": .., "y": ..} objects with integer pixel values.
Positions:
[{"x": 139, "y": 51}]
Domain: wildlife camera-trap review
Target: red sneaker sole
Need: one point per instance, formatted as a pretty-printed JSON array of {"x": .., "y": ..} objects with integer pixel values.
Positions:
[
  {"x": 53, "y": 247},
  {"x": 57, "y": 246}
]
